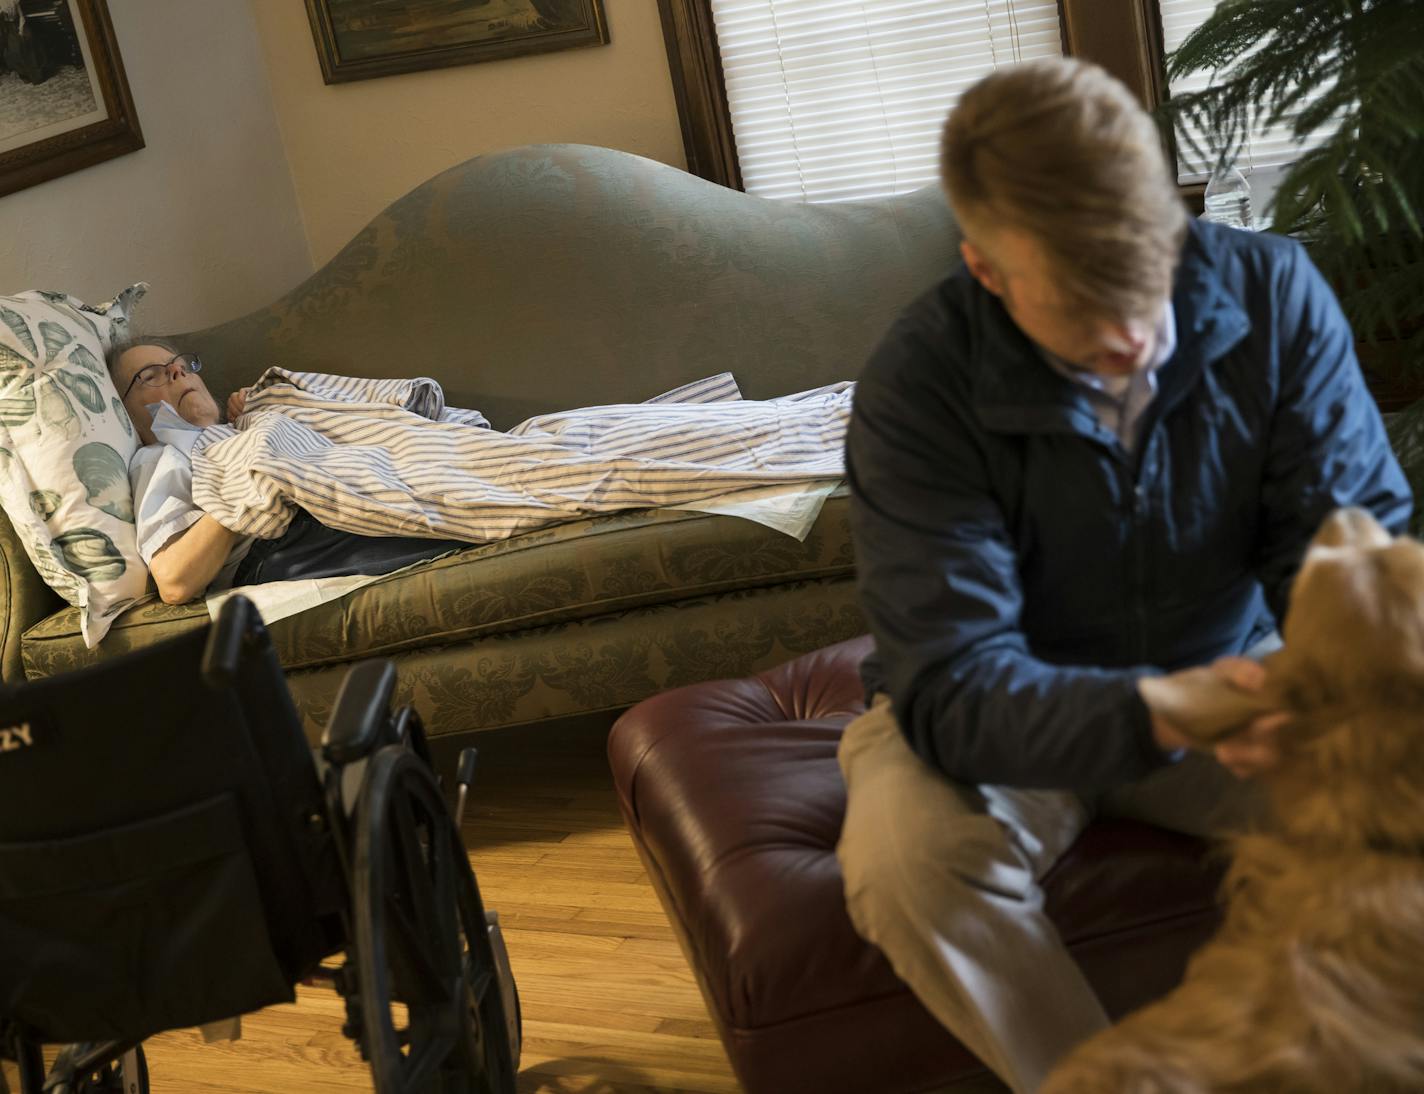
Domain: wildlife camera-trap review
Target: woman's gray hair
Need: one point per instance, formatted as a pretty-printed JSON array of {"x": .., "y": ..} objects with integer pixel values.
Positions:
[{"x": 123, "y": 345}]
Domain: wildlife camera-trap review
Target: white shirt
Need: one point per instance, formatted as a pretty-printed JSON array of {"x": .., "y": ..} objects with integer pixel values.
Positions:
[
  {"x": 162, "y": 478},
  {"x": 1120, "y": 401}
]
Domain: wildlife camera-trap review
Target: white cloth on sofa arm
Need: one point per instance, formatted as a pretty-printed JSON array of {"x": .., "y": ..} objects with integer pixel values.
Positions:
[{"x": 792, "y": 508}]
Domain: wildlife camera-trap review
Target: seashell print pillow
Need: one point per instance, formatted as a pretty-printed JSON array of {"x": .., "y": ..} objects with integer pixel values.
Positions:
[{"x": 65, "y": 444}]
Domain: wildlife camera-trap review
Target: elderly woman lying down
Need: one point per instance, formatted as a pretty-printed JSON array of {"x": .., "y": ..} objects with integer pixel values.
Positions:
[{"x": 326, "y": 475}]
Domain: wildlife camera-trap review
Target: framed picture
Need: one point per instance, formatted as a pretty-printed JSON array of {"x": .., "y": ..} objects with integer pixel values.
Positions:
[
  {"x": 64, "y": 100},
  {"x": 359, "y": 39}
]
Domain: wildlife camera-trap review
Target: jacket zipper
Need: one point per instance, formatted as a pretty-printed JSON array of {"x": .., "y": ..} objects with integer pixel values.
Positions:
[{"x": 1139, "y": 506}]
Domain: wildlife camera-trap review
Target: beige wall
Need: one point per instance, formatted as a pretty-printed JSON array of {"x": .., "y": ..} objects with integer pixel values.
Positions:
[
  {"x": 254, "y": 167},
  {"x": 356, "y": 147},
  {"x": 206, "y": 212}
]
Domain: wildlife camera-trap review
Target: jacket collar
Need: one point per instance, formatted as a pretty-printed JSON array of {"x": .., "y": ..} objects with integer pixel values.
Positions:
[{"x": 1015, "y": 391}]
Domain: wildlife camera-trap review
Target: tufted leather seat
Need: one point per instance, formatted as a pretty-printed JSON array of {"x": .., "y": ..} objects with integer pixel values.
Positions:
[{"x": 733, "y": 797}]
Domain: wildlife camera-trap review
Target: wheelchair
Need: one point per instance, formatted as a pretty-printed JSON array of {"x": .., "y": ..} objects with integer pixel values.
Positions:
[{"x": 172, "y": 854}]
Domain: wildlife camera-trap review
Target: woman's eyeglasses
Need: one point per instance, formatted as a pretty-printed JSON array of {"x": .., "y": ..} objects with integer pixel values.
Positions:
[{"x": 156, "y": 375}]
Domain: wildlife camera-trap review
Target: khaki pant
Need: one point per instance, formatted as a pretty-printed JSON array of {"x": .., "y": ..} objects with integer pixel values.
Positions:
[{"x": 944, "y": 879}]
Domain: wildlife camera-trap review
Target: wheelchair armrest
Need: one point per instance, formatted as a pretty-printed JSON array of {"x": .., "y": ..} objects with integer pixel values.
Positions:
[
  {"x": 361, "y": 718},
  {"x": 238, "y": 626}
]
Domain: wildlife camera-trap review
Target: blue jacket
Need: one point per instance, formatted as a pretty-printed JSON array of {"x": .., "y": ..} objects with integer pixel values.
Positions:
[{"x": 1020, "y": 570}]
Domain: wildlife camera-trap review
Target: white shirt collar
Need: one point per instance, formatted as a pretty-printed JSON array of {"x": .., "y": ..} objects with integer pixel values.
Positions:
[{"x": 1116, "y": 387}]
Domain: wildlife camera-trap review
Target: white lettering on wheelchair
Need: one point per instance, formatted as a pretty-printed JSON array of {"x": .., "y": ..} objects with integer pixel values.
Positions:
[{"x": 15, "y": 737}]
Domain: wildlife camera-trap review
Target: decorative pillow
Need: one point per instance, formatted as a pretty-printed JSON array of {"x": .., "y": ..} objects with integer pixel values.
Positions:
[{"x": 65, "y": 444}]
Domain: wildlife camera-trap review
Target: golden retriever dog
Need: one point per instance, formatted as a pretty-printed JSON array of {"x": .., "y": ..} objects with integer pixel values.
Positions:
[{"x": 1315, "y": 981}]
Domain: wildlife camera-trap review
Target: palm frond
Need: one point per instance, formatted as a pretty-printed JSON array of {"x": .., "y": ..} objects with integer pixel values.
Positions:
[{"x": 1357, "y": 199}]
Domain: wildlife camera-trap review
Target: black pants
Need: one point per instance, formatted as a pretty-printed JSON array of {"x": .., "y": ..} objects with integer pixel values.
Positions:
[{"x": 309, "y": 548}]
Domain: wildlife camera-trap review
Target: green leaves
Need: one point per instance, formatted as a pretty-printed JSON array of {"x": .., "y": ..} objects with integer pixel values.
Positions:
[{"x": 1357, "y": 200}]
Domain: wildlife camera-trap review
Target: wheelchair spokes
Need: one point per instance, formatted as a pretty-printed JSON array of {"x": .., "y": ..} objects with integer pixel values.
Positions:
[
  {"x": 417, "y": 913},
  {"x": 126, "y": 1075},
  {"x": 107, "y": 1068},
  {"x": 493, "y": 1048}
]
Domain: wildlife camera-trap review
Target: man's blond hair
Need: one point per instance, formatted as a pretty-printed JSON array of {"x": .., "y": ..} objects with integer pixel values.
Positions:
[{"x": 1061, "y": 150}]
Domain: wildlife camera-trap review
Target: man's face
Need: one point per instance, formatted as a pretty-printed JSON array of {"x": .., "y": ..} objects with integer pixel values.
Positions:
[
  {"x": 1012, "y": 266},
  {"x": 180, "y": 389}
]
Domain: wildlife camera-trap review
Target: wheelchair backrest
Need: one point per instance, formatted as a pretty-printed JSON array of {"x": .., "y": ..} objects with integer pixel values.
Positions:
[{"x": 163, "y": 826}]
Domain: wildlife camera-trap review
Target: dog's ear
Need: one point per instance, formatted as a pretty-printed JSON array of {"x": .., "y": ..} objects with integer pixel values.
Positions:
[
  {"x": 1336, "y": 592},
  {"x": 1356, "y": 621}
]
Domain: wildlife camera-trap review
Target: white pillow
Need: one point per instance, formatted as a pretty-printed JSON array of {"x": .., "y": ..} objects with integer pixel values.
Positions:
[{"x": 65, "y": 444}]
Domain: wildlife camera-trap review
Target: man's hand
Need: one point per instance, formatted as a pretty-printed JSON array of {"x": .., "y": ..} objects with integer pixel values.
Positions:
[
  {"x": 1248, "y": 752},
  {"x": 1256, "y": 749},
  {"x": 237, "y": 403}
]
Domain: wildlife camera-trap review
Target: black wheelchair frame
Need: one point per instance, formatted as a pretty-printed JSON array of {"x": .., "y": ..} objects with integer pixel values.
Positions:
[{"x": 192, "y": 865}]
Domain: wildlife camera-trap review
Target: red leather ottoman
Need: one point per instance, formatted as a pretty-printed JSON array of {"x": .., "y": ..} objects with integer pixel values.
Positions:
[{"x": 734, "y": 799}]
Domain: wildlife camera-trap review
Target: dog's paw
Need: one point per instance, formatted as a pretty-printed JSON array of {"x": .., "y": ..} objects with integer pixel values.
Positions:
[
  {"x": 1351, "y": 527},
  {"x": 1202, "y": 703}
]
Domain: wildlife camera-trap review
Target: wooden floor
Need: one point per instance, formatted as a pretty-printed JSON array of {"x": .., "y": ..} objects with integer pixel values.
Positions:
[{"x": 609, "y": 1003}]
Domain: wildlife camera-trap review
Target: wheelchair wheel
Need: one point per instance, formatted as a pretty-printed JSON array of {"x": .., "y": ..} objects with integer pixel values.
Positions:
[
  {"x": 126, "y": 1073},
  {"x": 431, "y": 1002}
]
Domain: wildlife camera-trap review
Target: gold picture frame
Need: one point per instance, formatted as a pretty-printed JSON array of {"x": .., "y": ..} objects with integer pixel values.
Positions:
[
  {"x": 64, "y": 99},
  {"x": 364, "y": 39}
]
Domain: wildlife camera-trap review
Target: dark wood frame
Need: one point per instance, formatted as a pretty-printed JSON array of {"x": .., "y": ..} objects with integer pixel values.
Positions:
[
  {"x": 334, "y": 70},
  {"x": 115, "y": 135},
  {"x": 701, "y": 94},
  {"x": 1124, "y": 36}
]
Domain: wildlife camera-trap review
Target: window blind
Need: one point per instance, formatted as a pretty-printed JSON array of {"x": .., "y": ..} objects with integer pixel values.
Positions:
[
  {"x": 1267, "y": 147},
  {"x": 841, "y": 100}
]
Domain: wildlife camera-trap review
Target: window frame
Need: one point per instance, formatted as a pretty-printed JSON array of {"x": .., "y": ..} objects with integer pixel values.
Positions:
[
  {"x": 1124, "y": 36},
  {"x": 695, "y": 62}
]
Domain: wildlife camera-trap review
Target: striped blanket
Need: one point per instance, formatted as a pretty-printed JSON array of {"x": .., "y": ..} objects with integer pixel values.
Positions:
[{"x": 387, "y": 457}]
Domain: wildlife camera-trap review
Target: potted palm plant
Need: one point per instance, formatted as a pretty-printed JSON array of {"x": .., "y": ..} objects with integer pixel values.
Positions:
[{"x": 1356, "y": 201}]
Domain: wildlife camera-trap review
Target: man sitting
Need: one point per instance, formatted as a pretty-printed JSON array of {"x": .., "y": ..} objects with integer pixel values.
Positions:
[{"x": 1095, "y": 451}]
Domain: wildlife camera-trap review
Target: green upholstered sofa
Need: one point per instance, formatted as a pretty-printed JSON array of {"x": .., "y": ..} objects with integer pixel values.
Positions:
[{"x": 538, "y": 279}]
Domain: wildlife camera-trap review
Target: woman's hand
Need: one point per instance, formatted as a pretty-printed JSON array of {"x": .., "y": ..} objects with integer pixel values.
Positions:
[
  {"x": 237, "y": 403},
  {"x": 184, "y": 566}
]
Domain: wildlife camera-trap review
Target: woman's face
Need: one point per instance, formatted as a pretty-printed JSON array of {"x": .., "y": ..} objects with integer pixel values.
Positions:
[{"x": 181, "y": 389}]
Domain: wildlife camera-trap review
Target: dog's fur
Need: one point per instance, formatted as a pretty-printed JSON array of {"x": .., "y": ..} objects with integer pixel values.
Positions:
[{"x": 1315, "y": 982}]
